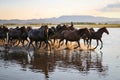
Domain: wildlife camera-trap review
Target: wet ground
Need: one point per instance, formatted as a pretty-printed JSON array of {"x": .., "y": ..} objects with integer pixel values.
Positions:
[{"x": 74, "y": 64}]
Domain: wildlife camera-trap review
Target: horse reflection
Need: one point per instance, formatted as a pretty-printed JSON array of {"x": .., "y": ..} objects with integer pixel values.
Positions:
[
  {"x": 42, "y": 62},
  {"x": 82, "y": 61},
  {"x": 46, "y": 63}
]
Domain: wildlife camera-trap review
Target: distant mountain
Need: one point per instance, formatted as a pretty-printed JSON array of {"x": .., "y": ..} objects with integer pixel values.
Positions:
[{"x": 62, "y": 19}]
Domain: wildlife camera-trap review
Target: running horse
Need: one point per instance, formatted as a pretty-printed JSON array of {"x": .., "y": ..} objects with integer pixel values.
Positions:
[
  {"x": 86, "y": 37},
  {"x": 97, "y": 36},
  {"x": 39, "y": 35},
  {"x": 73, "y": 35},
  {"x": 3, "y": 33}
]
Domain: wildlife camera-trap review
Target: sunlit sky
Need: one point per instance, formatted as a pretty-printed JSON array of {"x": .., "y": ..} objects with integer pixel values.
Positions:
[{"x": 35, "y": 9}]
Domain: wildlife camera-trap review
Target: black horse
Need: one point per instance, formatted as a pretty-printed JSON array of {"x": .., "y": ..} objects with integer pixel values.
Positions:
[
  {"x": 39, "y": 35},
  {"x": 97, "y": 36},
  {"x": 24, "y": 35},
  {"x": 14, "y": 36},
  {"x": 17, "y": 34},
  {"x": 85, "y": 37},
  {"x": 3, "y": 33}
]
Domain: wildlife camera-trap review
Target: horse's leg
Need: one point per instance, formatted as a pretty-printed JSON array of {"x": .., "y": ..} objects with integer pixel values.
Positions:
[
  {"x": 97, "y": 44},
  {"x": 78, "y": 45},
  {"x": 47, "y": 43},
  {"x": 66, "y": 43},
  {"x": 50, "y": 41},
  {"x": 22, "y": 41},
  {"x": 17, "y": 43},
  {"x": 31, "y": 43},
  {"x": 9, "y": 40},
  {"x": 90, "y": 43},
  {"x": 60, "y": 42},
  {"x": 36, "y": 44},
  {"x": 39, "y": 45},
  {"x": 101, "y": 44},
  {"x": 3, "y": 41},
  {"x": 54, "y": 41},
  {"x": 27, "y": 41},
  {"x": 84, "y": 41}
]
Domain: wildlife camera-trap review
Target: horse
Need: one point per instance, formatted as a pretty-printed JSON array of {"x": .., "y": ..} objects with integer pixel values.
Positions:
[
  {"x": 97, "y": 36},
  {"x": 24, "y": 35},
  {"x": 3, "y": 33},
  {"x": 59, "y": 28},
  {"x": 39, "y": 35},
  {"x": 73, "y": 35},
  {"x": 86, "y": 37},
  {"x": 17, "y": 35},
  {"x": 14, "y": 36}
]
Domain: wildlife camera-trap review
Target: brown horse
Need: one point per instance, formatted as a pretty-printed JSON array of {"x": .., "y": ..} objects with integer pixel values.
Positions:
[
  {"x": 57, "y": 31},
  {"x": 97, "y": 36},
  {"x": 73, "y": 35},
  {"x": 86, "y": 37}
]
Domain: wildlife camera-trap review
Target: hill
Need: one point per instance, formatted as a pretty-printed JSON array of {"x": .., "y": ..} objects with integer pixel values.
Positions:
[{"x": 63, "y": 19}]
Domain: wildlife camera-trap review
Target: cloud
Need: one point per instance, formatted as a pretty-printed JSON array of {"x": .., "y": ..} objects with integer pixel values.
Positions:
[{"x": 111, "y": 8}]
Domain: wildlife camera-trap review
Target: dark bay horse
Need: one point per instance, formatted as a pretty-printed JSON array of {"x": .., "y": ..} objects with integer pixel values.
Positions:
[
  {"x": 17, "y": 35},
  {"x": 39, "y": 35},
  {"x": 85, "y": 37},
  {"x": 98, "y": 35},
  {"x": 59, "y": 28},
  {"x": 73, "y": 35},
  {"x": 24, "y": 35},
  {"x": 3, "y": 33},
  {"x": 14, "y": 35}
]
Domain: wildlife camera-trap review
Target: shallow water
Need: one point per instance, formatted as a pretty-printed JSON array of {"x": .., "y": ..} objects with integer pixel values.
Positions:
[{"x": 65, "y": 64}]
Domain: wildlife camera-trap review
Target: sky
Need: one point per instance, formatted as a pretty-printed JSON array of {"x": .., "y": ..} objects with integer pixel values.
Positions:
[{"x": 35, "y": 9}]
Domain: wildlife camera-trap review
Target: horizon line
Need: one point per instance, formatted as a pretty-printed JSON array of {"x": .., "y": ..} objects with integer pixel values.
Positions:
[{"x": 57, "y": 17}]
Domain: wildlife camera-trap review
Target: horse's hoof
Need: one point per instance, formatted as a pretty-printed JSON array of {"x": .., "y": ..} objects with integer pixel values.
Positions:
[
  {"x": 91, "y": 49},
  {"x": 100, "y": 48},
  {"x": 66, "y": 48},
  {"x": 81, "y": 50},
  {"x": 75, "y": 47},
  {"x": 95, "y": 48}
]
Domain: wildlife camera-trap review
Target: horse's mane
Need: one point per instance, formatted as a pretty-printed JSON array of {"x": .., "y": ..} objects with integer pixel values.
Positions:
[
  {"x": 80, "y": 31},
  {"x": 101, "y": 28}
]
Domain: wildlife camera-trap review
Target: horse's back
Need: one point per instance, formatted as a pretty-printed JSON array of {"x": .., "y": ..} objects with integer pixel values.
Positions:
[
  {"x": 36, "y": 34},
  {"x": 33, "y": 33},
  {"x": 70, "y": 35},
  {"x": 69, "y": 32}
]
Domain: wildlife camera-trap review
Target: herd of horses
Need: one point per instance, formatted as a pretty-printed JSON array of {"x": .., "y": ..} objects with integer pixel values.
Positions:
[{"x": 48, "y": 35}]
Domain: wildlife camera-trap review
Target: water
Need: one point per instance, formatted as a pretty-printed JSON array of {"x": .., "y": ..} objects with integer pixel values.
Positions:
[{"x": 65, "y": 64}]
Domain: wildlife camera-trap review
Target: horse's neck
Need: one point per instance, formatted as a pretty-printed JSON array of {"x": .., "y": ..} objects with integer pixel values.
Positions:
[{"x": 100, "y": 32}]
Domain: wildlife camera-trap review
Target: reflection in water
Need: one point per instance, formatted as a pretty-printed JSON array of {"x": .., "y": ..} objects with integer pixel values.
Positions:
[{"x": 83, "y": 61}]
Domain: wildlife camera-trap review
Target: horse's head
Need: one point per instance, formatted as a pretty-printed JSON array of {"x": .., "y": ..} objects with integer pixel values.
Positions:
[
  {"x": 104, "y": 29},
  {"x": 84, "y": 31},
  {"x": 44, "y": 28},
  {"x": 5, "y": 29},
  {"x": 92, "y": 30},
  {"x": 51, "y": 32},
  {"x": 60, "y": 28},
  {"x": 23, "y": 29},
  {"x": 29, "y": 28}
]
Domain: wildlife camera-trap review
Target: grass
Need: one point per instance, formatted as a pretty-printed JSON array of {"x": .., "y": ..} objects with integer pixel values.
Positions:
[{"x": 76, "y": 25}]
